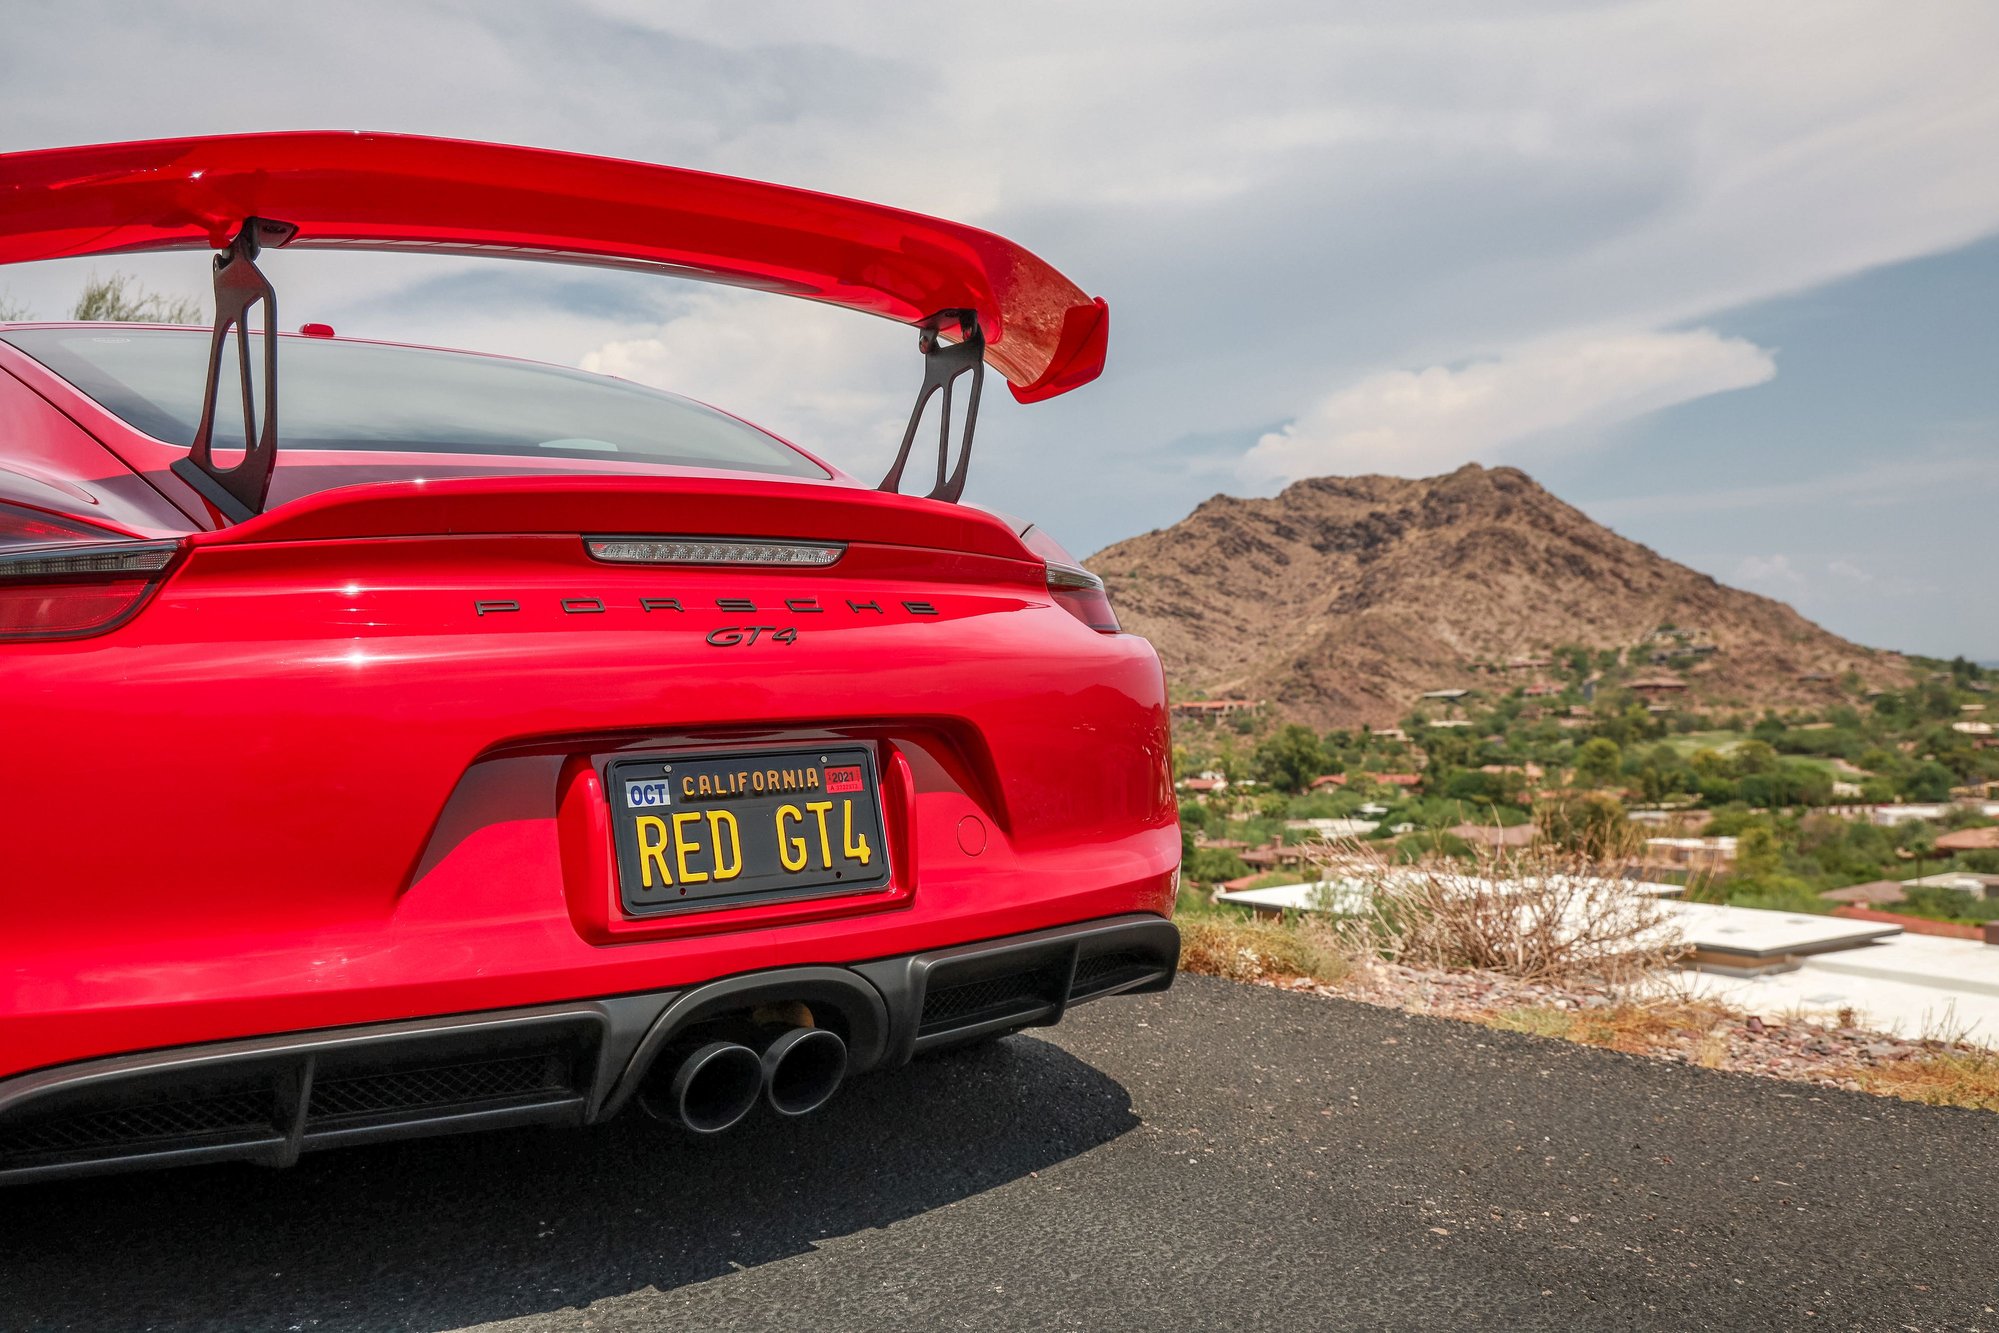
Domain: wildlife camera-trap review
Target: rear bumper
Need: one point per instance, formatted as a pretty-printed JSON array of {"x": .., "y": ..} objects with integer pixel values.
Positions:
[{"x": 268, "y": 1099}]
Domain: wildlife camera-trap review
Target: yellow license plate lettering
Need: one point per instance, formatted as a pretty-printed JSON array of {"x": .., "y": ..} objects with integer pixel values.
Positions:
[
  {"x": 683, "y": 845},
  {"x": 729, "y": 849},
  {"x": 819, "y": 808},
  {"x": 790, "y": 847},
  {"x": 856, "y": 848},
  {"x": 652, "y": 850}
]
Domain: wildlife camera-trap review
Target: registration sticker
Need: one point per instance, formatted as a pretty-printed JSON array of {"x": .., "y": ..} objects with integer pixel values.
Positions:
[
  {"x": 649, "y": 794},
  {"x": 846, "y": 778}
]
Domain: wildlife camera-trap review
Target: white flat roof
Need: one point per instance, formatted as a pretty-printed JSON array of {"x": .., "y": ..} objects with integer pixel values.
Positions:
[
  {"x": 1913, "y": 985},
  {"x": 1344, "y": 897},
  {"x": 1756, "y": 933},
  {"x": 1350, "y": 896}
]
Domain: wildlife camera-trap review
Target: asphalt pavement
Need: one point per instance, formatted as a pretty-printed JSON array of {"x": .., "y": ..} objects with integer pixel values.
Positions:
[{"x": 1221, "y": 1156}]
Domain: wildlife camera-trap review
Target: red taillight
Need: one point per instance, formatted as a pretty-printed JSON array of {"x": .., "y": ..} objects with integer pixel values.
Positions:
[
  {"x": 1081, "y": 594},
  {"x": 1075, "y": 589},
  {"x": 69, "y": 586}
]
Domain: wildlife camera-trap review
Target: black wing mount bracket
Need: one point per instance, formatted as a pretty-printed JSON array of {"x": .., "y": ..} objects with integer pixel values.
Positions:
[
  {"x": 943, "y": 363},
  {"x": 239, "y": 491}
]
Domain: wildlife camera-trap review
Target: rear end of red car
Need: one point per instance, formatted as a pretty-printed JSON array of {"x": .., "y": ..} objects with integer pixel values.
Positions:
[
  {"x": 401, "y": 741},
  {"x": 441, "y": 803}
]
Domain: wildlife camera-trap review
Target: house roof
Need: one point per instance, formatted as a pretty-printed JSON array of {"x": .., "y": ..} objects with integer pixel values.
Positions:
[
  {"x": 1517, "y": 835},
  {"x": 1970, "y": 840},
  {"x": 1874, "y": 891}
]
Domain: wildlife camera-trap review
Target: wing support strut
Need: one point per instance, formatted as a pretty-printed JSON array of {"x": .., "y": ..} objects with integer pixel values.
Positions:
[
  {"x": 239, "y": 490},
  {"x": 943, "y": 363}
]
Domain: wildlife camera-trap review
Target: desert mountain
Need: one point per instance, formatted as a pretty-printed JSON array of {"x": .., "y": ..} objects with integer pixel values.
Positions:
[{"x": 1343, "y": 599}]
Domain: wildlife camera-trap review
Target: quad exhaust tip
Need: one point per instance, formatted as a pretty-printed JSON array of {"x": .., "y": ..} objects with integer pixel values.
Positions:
[
  {"x": 707, "y": 1087},
  {"x": 802, "y": 1069},
  {"x": 713, "y": 1086}
]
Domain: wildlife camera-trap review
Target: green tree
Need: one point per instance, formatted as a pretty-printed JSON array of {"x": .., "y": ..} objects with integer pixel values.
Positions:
[
  {"x": 1663, "y": 772},
  {"x": 1484, "y": 788},
  {"x": 1290, "y": 758},
  {"x": 1598, "y": 762},
  {"x": 1758, "y": 853},
  {"x": 121, "y": 299},
  {"x": 1930, "y": 782},
  {"x": 1878, "y": 760},
  {"x": 1711, "y": 763},
  {"x": 1594, "y": 825},
  {"x": 1753, "y": 757}
]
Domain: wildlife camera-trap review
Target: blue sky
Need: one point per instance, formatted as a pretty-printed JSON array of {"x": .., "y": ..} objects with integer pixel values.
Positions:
[
  {"x": 1861, "y": 483},
  {"x": 1719, "y": 274}
]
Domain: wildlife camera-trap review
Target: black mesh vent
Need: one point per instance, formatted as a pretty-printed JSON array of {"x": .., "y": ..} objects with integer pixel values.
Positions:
[
  {"x": 996, "y": 997},
  {"x": 1108, "y": 970},
  {"x": 235, "y": 1115},
  {"x": 437, "y": 1086}
]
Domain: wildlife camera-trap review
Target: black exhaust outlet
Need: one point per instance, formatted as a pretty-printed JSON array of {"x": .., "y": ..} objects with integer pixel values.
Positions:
[
  {"x": 704, "y": 1089},
  {"x": 802, "y": 1069}
]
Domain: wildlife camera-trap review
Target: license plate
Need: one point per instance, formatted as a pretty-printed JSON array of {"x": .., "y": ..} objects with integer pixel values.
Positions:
[{"x": 716, "y": 829}]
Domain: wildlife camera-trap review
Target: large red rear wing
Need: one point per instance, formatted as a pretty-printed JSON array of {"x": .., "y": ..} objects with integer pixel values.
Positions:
[{"x": 410, "y": 193}]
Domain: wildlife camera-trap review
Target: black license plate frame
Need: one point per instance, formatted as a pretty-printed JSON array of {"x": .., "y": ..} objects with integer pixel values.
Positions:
[{"x": 679, "y": 820}]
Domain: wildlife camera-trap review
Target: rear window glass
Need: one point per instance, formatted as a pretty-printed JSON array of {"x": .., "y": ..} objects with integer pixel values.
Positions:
[{"x": 347, "y": 395}]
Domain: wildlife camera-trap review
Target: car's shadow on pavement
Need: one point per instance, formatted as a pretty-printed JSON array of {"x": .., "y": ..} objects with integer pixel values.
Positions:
[{"x": 445, "y": 1232}]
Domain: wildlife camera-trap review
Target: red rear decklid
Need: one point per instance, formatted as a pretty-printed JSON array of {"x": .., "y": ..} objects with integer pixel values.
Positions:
[
  {"x": 682, "y": 506},
  {"x": 405, "y": 192}
]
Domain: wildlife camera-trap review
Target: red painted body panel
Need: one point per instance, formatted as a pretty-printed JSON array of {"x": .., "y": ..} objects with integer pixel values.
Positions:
[
  {"x": 406, "y": 192},
  {"x": 49, "y": 462}
]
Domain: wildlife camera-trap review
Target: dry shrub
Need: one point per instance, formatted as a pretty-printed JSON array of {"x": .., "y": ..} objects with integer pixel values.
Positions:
[
  {"x": 1258, "y": 949},
  {"x": 1538, "y": 913},
  {"x": 1951, "y": 1070},
  {"x": 1636, "y": 1028},
  {"x": 1968, "y": 1078},
  {"x": 1559, "y": 1023},
  {"x": 1639, "y": 1028}
]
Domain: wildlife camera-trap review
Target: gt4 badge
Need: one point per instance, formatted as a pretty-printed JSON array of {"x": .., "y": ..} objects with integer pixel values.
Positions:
[{"x": 731, "y": 635}]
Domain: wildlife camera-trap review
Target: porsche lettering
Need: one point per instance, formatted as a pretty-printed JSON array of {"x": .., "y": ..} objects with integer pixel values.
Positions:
[{"x": 675, "y": 606}]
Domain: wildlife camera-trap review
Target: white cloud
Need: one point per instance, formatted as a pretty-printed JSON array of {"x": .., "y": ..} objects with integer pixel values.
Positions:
[
  {"x": 1412, "y": 423},
  {"x": 1775, "y": 574},
  {"x": 829, "y": 382}
]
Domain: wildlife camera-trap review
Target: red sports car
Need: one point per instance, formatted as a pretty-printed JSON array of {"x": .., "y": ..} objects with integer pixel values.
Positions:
[{"x": 400, "y": 741}]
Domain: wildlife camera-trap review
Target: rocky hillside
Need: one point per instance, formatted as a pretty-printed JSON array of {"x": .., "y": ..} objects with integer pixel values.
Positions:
[{"x": 1344, "y": 598}]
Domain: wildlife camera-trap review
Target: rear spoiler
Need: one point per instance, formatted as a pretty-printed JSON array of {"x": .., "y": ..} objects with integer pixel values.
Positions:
[{"x": 996, "y": 302}]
